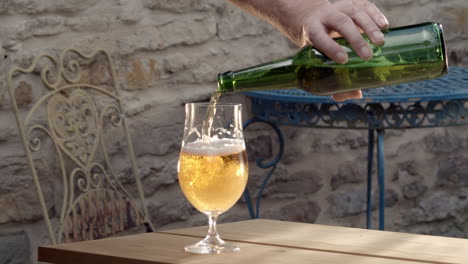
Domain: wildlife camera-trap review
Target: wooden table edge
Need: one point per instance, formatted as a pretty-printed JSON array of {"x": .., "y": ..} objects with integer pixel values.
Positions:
[
  {"x": 314, "y": 249},
  {"x": 54, "y": 255}
]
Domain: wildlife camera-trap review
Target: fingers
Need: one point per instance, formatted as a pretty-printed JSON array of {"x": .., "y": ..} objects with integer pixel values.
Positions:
[
  {"x": 348, "y": 95},
  {"x": 371, "y": 29},
  {"x": 366, "y": 16},
  {"x": 318, "y": 36},
  {"x": 342, "y": 23},
  {"x": 365, "y": 22},
  {"x": 373, "y": 12}
]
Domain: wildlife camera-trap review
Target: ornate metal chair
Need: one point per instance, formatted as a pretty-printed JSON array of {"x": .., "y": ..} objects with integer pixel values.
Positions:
[{"x": 73, "y": 128}]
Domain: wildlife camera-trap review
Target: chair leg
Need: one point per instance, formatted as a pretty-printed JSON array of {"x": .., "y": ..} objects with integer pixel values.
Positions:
[
  {"x": 370, "y": 157},
  {"x": 381, "y": 177},
  {"x": 148, "y": 227}
]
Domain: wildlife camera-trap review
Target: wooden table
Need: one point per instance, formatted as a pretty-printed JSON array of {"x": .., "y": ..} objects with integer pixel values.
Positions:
[{"x": 266, "y": 241}]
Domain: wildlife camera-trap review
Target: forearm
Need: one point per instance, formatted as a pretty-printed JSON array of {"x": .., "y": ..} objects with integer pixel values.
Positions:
[{"x": 286, "y": 15}]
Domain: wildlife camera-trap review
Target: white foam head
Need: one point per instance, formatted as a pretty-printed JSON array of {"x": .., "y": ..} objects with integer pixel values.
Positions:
[{"x": 215, "y": 147}]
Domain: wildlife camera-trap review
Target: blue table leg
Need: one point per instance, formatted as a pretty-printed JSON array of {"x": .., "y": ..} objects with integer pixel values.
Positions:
[
  {"x": 370, "y": 157},
  {"x": 381, "y": 177}
]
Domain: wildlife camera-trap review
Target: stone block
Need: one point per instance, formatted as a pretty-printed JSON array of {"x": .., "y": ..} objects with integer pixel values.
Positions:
[
  {"x": 452, "y": 172},
  {"x": 409, "y": 168},
  {"x": 444, "y": 204},
  {"x": 236, "y": 23},
  {"x": 89, "y": 24},
  {"x": 349, "y": 172},
  {"x": 413, "y": 215},
  {"x": 3, "y": 7},
  {"x": 131, "y": 11},
  {"x": 436, "y": 208},
  {"x": 15, "y": 248},
  {"x": 458, "y": 56},
  {"x": 23, "y": 93},
  {"x": 8, "y": 127},
  {"x": 391, "y": 198},
  {"x": 14, "y": 173},
  {"x": 24, "y": 6},
  {"x": 454, "y": 19},
  {"x": 166, "y": 208},
  {"x": 347, "y": 203},
  {"x": 158, "y": 172},
  {"x": 70, "y": 6},
  {"x": 156, "y": 141},
  {"x": 303, "y": 182},
  {"x": 139, "y": 74},
  {"x": 397, "y": 3},
  {"x": 33, "y": 7},
  {"x": 407, "y": 171},
  {"x": 414, "y": 189},
  {"x": 305, "y": 211},
  {"x": 354, "y": 201},
  {"x": 186, "y": 31},
  {"x": 441, "y": 228},
  {"x": 23, "y": 205},
  {"x": 351, "y": 138},
  {"x": 177, "y": 62},
  {"x": 41, "y": 26},
  {"x": 204, "y": 73},
  {"x": 180, "y": 6},
  {"x": 443, "y": 141},
  {"x": 259, "y": 147}
]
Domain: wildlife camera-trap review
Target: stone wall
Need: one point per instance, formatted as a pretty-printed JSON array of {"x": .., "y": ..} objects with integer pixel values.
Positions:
[{"x": 168, "y": 53}]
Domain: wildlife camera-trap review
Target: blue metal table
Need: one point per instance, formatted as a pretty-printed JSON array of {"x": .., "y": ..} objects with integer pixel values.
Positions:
[{"x": 432, "y": 103}]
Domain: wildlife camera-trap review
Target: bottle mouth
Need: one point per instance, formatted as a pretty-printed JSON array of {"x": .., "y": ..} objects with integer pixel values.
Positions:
[{"x": 443, "y": 47}]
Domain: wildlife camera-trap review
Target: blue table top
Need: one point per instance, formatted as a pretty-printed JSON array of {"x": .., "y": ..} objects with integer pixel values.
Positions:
[{"x": 452, "y": 86}]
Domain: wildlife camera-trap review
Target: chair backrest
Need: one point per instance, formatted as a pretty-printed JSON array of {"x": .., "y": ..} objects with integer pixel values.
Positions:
[{"x": 73, "y": 128}]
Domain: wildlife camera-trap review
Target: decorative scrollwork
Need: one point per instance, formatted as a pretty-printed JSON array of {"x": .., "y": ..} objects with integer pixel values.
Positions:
[
  {"x": 97, "y": 174},
  {"x": 394, "y": 115},
  {"x": 34, "y": 142},
  {"x": 50, "y": 74},
  {"x": 112, "y": 113},
  {"x": 66, "y": 69},
  {"x": 74, "y": 123},
  {"x": 374, "y": 116},
  {"x": 72, "y": 71},
  {"x": 81, "y": 177},
  {"x": 92, "y": 178}
]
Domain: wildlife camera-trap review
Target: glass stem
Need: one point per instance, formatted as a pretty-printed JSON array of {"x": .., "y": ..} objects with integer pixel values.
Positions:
[
  {"x": 212, "y": 218},
  {"x": 212, "y": 233}
]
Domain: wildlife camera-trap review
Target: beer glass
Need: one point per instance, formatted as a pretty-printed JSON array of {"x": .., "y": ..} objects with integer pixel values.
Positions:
[{"x": 213, "y": 167}]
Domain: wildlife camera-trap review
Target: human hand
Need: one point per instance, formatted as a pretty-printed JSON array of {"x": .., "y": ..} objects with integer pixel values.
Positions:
[
  {"x": 316, "y": 22},
  {"x": 323, "y": 20},
  {"x": 347, "y": 18}
]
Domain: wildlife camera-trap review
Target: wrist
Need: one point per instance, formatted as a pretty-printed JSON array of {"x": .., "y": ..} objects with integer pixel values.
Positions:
[
  {"x": 292, "y": 15},
  {"x": 288, "y": 16}
]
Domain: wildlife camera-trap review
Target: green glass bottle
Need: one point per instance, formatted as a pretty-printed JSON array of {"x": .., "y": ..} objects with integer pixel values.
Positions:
[{"x": 410, "y": 53}]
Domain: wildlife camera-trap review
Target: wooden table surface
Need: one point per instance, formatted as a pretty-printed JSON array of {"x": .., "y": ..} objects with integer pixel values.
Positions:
[{"x": 266, "y": 241}]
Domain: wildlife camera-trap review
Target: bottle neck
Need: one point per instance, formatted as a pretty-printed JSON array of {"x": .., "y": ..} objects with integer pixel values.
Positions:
[
  {"x": 225, "y": 82},
  {"x": 269, "y": 76}
]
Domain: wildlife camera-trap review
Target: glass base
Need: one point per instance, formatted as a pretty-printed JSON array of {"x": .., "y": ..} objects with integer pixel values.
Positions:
[{"x": 212, "y": 246}]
